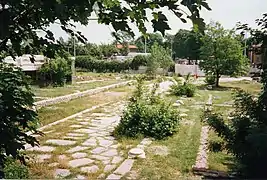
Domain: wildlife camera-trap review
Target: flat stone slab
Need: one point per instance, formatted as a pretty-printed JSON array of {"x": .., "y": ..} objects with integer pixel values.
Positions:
[
  {"x": 116, "y": 159},
  {"x": 42, "y": 149},
  {"x": 125, "y": 167},
  {"x": 90, "y": 142},
  {"x": 61, "y": 173},
  {"x": 114, "y": 177},
  {"x": 110, "y": 153},
  {"x": 79, "y": 155},
  {"x": 60, "y": 142},
  {"x": 76, "y": 126},
  {"x": 80, "y": 177},
  {"x": 75, "y": 134},
  {"x": 62, "y": 157},
  {"x": 90, "y": 169},
  {"x": 105, "y": 143},
  {"x": 98, "y": 150},
  {"x": 84, "y": 123},
  {"x": 72, "y": 138},
  {"x": 88, "y": 131},
  {"x": 109, "y": 167},
  {"x": 80, "y": 162},
  {"x": 76, "y": 149}
]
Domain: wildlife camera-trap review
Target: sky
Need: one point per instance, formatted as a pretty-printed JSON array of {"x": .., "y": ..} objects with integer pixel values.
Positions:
[{"x": 227, "y": 12}]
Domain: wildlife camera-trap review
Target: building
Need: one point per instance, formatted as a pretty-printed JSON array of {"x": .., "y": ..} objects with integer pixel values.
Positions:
[
  {"x": 255, "y": 55},
  {"x": 132, "y": 48}
]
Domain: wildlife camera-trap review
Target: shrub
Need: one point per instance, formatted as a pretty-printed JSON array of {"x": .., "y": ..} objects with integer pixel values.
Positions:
[
  {"x": 245, "y": 135},
  {"x": 102, "y": 66},
  {"x": 139, "y": 60},
  {"x": 147, "y": 114},
  {"x": 210, "y": 79},
  {"x": 185, "y": 88},
  {"x": 15, "y": 170},
  {"x": 55, "y": 73},
  {"x": 17, "y": 117}
]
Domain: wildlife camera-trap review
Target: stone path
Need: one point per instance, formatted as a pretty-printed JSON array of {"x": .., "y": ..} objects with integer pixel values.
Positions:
[{"x": 88, "y": 148}]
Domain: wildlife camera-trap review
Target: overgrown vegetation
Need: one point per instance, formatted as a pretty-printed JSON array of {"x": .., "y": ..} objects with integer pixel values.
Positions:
[
  {"x": 55, "y": 72},
  {"x": 15, "y": 170},
  {"x": 148, "y": 115},
  {"x": 210, "y": 79},
  {"x": 139, "y": 60},
  {"x": 183, "y": 87},
  {"x": 17, "y": 117}
]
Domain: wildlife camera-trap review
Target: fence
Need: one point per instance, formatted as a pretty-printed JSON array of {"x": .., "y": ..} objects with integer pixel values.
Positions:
[{"x": 184, "y": 69}]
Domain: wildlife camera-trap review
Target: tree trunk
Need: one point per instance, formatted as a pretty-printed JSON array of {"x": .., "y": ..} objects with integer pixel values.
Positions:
[{"x": 217, "y": 79}]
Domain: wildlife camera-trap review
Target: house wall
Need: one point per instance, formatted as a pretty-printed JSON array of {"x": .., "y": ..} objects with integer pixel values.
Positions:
[{"x": 185, "y": 69}]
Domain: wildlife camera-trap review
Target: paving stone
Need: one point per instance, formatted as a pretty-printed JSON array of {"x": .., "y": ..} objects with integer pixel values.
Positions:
[
  {"x": 98, "y": 150},
  {"x": 61, "y": 173},
  {"x": 60, "y": 142},
  {"x": 101, "y": 176},
  {"x": 109, "y": 167},
  {"x": 125, "y": 167},
  {"x": 110, "y": 153},
  {"x": 99, "y": 138},
  {"x": 43, "y": 157},
  {"x": 84, "y": 123},
  {"x": 79, "y": 155},
  {"x": 116, "y": 159},
  {"x": 146, "y": 141},
  {"x": 99, "y": 157},
  {"x": 95, "y": 135},
  {"x": 72, "y": 138},
  {"x": 80, "y": 162},
  {"x": 110, "y": 137},
  {"x": 98, "y": 114},
  {"x": 90, "y": 169},
  {"x": 76, "y": 149},
  {"x": 42, "y": 148},
  {"x": 106, "y": 162},
  {"x": 115, "y": 146},
  {"x": 76, "y": 126},
  {"x": 90, "y": 142},
  {"x": 137, "y": 153},
  {"x": 80, "y": 177},
  {"x": 53, "y": 164},
  {"x": 75, "y": 134},
  {"x": 114, "y": 177},
  {"x": 88, "y": 131},
  {"x": 105, "y": 143}
]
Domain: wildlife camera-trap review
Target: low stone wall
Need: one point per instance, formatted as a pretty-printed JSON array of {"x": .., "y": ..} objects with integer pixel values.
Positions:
[{"x": 69, "y": 97}]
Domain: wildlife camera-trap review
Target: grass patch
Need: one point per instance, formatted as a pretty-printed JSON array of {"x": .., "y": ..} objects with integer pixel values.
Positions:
[
  {"x": 69, "y": 89},
  {"x": 59, "y": 111}
]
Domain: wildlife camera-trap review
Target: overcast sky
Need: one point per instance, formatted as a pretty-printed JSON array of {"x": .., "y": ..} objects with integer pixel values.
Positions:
[{"x": 227, "y": 12}]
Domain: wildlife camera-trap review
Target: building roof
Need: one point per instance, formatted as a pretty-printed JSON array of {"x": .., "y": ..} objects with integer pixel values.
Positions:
[{"x": 120, "y": 46}]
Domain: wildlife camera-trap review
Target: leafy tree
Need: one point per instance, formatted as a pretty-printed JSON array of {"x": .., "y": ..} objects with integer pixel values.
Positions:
[
  {"x": 245, "y": 134},
  {"x": 150, "y": 39},
  {"x": 20, "y": 20},
  {"x": 221, "y": 53},
  {"x": 108, "y": 50},
  {"x": 160, "y": 57},
  {"x": 17, "y": 117},
  {"x": 186, "y": 44}
]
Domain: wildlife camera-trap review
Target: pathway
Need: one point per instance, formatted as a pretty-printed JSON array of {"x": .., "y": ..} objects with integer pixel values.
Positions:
[{"x": 86, "y": 148}]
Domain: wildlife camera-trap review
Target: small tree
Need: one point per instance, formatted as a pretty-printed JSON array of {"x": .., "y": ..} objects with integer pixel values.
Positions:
[
  {"x": 221, "y": 53},
  {"x": 16, "y": 115}
]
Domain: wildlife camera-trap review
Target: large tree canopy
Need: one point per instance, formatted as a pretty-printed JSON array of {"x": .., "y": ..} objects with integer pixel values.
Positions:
[
  {"x": 186, "y": 44},
  {"x": 150, "y": 39},
  {"x": 21, "y": 19},
  {"x": 221, "y": 53}
]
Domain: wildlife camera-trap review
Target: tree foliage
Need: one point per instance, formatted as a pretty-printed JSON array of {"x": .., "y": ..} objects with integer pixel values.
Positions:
[
  {"x": 20, "y": 20},
  {"x": 221, "y": 53},
  {"x": 245, "y": 134},
  {"x": 186, "y": 44},
  {"x": 149, "y": 39},
  {"x": 17, "y": 117}
]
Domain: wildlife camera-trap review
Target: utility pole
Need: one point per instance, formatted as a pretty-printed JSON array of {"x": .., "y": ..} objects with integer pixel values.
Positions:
[
  {"x": 73, "y": 73},
  {"x": 145, "y": 44}
]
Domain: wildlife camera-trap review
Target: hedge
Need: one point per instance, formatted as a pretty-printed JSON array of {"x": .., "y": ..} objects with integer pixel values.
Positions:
[{"x": 101, "y": 66}]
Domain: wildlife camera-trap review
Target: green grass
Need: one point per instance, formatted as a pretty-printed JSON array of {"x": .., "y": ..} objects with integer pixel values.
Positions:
[
  {"x": 59, "y": 111},
  {"x": 68, "y": 89}
]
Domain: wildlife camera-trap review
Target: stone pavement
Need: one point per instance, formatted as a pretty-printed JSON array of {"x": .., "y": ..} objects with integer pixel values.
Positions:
[{"x": 87, "y": 148}]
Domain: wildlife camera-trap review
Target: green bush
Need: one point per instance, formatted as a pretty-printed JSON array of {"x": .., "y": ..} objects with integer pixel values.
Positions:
[
  {"x": 210, "y": 79},
  {"x": 245, "y": 134},
  {"x": 101, "y": 66},
  {"x": 139, "y": 60},
  {"x": 55, "y": 73},
  {"x": 185, "y": 88},
  {"x": 16, "y": 114},
  {"x": 147, "y": 114},
  {"x": 15, "y": 170}
]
